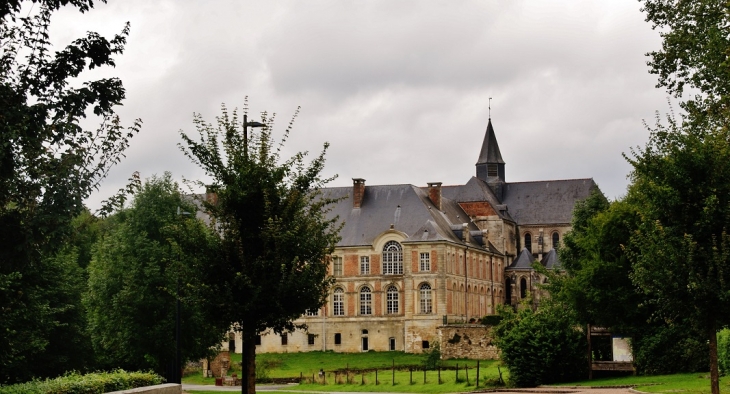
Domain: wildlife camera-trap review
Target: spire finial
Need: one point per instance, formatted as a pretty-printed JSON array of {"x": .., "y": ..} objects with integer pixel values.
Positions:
[{"x": 490, "y": 108}]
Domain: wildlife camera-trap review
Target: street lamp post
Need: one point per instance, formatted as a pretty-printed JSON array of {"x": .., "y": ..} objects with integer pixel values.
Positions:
[
  {"x": 177, "y": 365},
  {"x": 246, "y": 125}
]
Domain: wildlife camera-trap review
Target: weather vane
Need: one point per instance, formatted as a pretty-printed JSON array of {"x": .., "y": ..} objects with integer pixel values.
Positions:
[{"x": 490, "y": 108}]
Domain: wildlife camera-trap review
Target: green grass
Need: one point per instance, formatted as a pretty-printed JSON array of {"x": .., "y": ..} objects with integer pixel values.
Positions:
[
  {"x": 307, "y": 364},
  {"x": 687, "y": 383}
]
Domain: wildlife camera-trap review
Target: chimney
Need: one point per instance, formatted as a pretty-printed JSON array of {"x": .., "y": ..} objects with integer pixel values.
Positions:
[
  {"x": 358, "y": 192},
  {"x": 211, "y": 194},
  {"x": 434, "y": 193}
]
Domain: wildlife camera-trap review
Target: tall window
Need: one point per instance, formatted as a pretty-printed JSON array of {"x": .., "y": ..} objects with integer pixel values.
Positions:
[
  {"x": 366, "y": 301},
  {"x": 523, "y": 288},
  {"x": 338, "y": 302},
  {"x": 528, "y": 242},
  {"x": 392, "y": 259},
  {"x": 336, "y": 265},
  {"x": 284, "y": 339},
  {"x": 556, "y": 240},
  {"x": 364, "y": 265},
  {"x": 392, "y": 300},
  {"x": 425, "y": 262},
  {"x": 425, "y": 299}
]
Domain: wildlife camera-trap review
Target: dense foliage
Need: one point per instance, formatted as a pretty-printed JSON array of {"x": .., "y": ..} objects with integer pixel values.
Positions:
[
  {"x": 597, "y": 284},
  {"x": 92, "y": 383},
  {"x": 693, "y": 58},
  {"x": 275, "y": 235},
  {"x": 145, "y": 261},
  {"x": 681, "y": 251},
  {"x": 48, "y": 165},
  {"x": 543, "y": 346}
]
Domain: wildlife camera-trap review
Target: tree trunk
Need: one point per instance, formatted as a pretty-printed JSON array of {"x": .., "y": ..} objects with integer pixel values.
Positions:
[
  {"x": 248, "y": 362},
  {"x": 714, "y": 373}
]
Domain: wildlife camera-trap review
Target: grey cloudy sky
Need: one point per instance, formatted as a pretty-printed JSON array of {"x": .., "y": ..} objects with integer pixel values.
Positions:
[{"x": 399, "y": 88}]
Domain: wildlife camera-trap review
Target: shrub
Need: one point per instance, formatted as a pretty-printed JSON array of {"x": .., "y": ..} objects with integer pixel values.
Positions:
[
  {"x": 668, "y": 349},
  {"x": 541, "y": 347},
  {"x": 723, "y": 350},
  {"x": 491, "y": 320},
  {"x": 432, "y": 357},
  {"x": 92, "y": 383}
]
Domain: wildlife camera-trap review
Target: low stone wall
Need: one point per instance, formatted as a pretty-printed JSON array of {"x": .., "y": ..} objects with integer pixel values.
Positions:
[
  {"x": 473, "y": 341},
  {"x": 168, "y": 388}
]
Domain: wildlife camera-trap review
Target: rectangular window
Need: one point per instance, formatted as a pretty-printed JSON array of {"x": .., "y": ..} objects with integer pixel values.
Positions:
[
  {"x": 364, "y": 265},
  {"x": 336, "y": 265},
  {"x": 310, "y": 339},
  {"x": 392, "y": 343},
  {"x": 338, "y": 339},
  {"x": 425, "y": 345},
  {"x": 425, "y": 262},
  {"x": 258, "y": 340},
  {"x": 284, "y": 339}
]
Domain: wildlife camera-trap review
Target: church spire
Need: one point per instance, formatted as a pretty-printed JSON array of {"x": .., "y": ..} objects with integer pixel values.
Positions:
[{"x": 490, "y": 165}]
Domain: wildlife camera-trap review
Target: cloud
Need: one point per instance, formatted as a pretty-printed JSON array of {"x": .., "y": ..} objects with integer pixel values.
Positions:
[{"x": 400, "y": 89}]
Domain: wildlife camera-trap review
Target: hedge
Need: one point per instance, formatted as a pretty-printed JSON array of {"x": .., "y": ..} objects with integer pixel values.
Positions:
[{"x": 92, "y": 383}]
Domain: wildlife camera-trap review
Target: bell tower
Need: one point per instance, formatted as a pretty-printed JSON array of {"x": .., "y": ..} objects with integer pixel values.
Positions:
[{"x": 490, "y": 166}]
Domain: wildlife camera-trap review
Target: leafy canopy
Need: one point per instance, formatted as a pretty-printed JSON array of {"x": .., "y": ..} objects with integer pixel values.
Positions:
[
  {"x": 148, "y": 249},
  {"x": 48, "y": 165}
]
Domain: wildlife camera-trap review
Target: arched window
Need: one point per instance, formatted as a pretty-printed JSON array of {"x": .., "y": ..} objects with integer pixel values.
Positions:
[
  {"x": 528, "y": 242},
  {"x": 556, "y": 240},
  {"x": 366, "y": 301},
  {"x": 523, "y": 288},
  {"x": 426, "y": 305},
  {"x": 392, "y": 258},
  {"x": 338, "y": 302},
  {"x": 508, "y": 288},
  {"x": 391, "y": 299}
]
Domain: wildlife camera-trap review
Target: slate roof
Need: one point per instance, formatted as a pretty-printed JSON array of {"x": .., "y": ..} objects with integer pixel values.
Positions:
[
  {"x": 490, "y": 149},
  {"x": 545, "y": 202},
  {"x": 406, "y": 207},
  {"x": 476, "y": 190},
  {"x": 523, "y": 261},
  {"x": 550, "y": 261}
]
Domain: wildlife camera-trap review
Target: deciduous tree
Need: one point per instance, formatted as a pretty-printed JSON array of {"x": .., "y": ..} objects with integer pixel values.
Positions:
[
  {"x": 147, "y": 259},
  {"x": 681, "y": 251},
  {"x": 48, "y": 165},
  {"x": 276, "y": 237}
]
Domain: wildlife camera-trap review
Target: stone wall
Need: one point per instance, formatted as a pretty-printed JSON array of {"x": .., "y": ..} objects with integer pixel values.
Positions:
[
  {"x": 219, "y": 366},
  {"x": 473, "y": 341},
  {"x": 168, "y": 388}
]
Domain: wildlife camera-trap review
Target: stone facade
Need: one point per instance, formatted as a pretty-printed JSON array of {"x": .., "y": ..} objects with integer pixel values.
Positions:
[
  {"x": 473, "y": 341},
  {"x": 415, "y": 258}
]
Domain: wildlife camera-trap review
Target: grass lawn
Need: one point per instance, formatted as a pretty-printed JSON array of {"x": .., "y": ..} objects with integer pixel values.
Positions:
[
  {"x": 686, "y": 383},
  {"x": 362, "y": 368}
]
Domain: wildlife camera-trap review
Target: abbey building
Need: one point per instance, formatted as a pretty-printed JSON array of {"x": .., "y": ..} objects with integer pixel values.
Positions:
[{"x": 413, "y": 257}]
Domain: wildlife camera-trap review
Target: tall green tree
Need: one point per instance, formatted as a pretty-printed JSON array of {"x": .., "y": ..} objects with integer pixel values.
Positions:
[
  {"x": 694, "y": 55},
  {"x": 681, "y": 251},
  {"x": 275, "y": 235},
  {"x": 147, "y": 260},
  {"x": 48, "y": 165},
  {"x": 597, "y": 284}
]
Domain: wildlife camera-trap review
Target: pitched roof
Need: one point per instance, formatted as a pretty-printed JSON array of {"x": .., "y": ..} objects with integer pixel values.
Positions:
[
  {"x": 523, "y": 261},
  {"x": 545, "y": 202},
  {"x": 490, "y": 149},
  {"x": 476, "y": 190},
  {"x": 406, "y": 207},
  {"x": 550, "y": 261}
]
